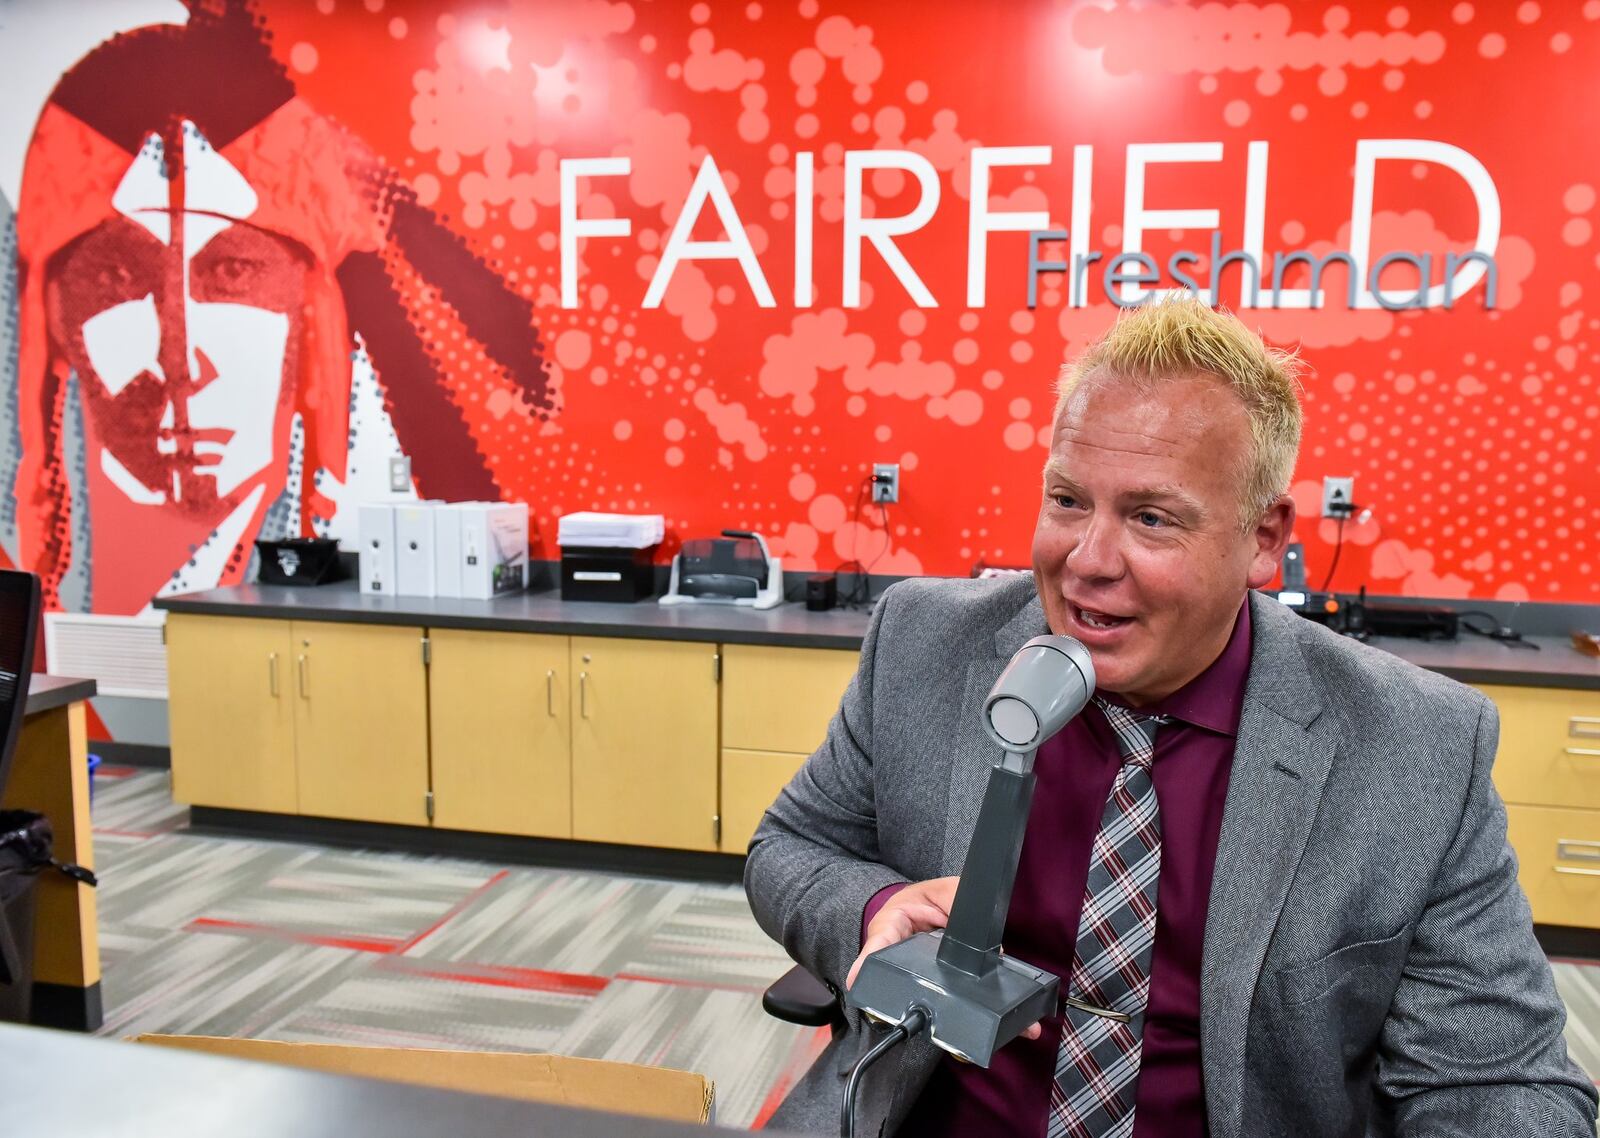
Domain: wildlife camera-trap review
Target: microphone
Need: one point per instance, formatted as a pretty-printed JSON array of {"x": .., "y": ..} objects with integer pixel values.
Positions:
[{"x": 972, "y": 997}]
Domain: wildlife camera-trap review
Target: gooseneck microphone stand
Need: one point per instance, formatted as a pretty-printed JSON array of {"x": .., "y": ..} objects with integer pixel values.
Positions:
[{"x": 956, "y": 983}]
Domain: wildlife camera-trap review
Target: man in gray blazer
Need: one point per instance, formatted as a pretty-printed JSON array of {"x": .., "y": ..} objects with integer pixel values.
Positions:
[{"x": 1333, "y": 938}]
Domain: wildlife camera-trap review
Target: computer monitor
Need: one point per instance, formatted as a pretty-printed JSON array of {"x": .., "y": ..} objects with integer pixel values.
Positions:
[{"x": 19, "y": 622}]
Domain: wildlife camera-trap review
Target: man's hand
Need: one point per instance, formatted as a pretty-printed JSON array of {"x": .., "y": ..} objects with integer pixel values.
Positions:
[{"x": 917, "y": 908}]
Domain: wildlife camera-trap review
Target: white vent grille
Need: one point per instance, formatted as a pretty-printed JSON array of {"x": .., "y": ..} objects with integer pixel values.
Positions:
[{"x": 123, "y": 655}]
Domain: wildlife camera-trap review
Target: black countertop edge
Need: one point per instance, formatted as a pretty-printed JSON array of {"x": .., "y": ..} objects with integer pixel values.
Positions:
[
  {"x": 1470, "y": 660},
  {"x": 556, "y": 627},
  {"x": 46, "y": 693}
]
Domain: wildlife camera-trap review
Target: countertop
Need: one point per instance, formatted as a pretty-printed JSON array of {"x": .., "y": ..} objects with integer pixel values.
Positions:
[
  {"x": 1471, "y": 659},
  {"x": 46, "y": 693},
  {"x": 788, "y": 625}
]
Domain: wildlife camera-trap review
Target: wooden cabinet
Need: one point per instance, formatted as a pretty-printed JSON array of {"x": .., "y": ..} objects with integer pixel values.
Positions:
[
  {"x": 1548, "y": 771},
  {"x": 361, "y": 721},
  {"x": 776, "y": 704},
  {"x": 501, "y": 730},
  {"x": 644, "y": 742},
  {"x": 231, "y": 702},
  {"x": 672, "y": 744},
  {"x": 292, "y": 717}
]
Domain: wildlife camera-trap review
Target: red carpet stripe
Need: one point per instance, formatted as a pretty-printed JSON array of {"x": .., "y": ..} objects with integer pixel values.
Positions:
[{"x": 383, "y": 945}]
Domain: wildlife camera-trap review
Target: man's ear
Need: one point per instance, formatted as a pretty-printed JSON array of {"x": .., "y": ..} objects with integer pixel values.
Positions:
[{"x": 1271, "y": 537}]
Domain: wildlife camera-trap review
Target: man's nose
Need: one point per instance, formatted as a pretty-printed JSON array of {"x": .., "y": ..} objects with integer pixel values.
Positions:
[{"x": 1097, "y": 555}]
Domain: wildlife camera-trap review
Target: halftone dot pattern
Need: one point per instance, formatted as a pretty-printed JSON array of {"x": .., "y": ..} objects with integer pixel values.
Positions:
[{"x": 1470, "y": 433}]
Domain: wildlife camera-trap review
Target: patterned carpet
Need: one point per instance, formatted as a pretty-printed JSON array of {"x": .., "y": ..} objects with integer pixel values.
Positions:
[{"x": 204, "y": 935}]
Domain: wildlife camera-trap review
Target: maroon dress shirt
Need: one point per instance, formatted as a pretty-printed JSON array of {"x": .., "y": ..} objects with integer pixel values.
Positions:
[{"x": 1193, "y": 755}]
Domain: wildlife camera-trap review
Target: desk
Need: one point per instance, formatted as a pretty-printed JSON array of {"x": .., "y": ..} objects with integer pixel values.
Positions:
[
  {"x": 50, "y": 774},
  {"x": 68, "y": 1085}
]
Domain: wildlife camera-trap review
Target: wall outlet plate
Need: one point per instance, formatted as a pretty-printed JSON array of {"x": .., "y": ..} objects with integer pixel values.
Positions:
[
  {"x": 399, "y": 473},
  {"x": 1337, "y": 497},
  {"x": 886, "y": 482}
]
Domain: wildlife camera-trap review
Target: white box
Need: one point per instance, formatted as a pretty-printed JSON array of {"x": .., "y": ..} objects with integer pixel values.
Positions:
[
  {"x": 413, "y": 549},
  {"x": 494, "y": 548},
  {"x": 447, "y": 549},
  {"x": 376, "y": 530}
]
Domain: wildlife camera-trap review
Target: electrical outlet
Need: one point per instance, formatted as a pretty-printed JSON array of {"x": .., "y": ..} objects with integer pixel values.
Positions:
[
  {"x": 399, "y": 473},
  {"x": 886, "y": 482},
  {"x": 1337, "y": 497}
]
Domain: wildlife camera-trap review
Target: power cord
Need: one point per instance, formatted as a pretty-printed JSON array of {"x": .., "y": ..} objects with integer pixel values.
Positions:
[
  {"x": 915, "y": 1020},
  {"x": 1338, "y": 546},
  {"x": 1504, "y": 633},
  {"x": 861, "y": 588}
]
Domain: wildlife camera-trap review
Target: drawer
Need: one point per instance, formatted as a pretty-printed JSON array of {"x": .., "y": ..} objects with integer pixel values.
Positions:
[
  {"x": 1558, "y": 851},
  {"x": 751, "y": 781},
  {"x": 780, "y": 699},
  {"x": 1549, "y": 746}
]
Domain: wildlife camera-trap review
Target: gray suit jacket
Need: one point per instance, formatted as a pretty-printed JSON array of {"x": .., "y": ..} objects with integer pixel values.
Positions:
[{"x": 1369, "y": 959}]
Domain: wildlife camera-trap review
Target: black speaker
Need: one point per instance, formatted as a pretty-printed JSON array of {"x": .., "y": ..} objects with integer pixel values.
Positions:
[{"x": 821, "y": 593}]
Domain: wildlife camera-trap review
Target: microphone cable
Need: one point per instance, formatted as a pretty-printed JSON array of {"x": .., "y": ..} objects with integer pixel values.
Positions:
[{"x": 915, "y": 1020}]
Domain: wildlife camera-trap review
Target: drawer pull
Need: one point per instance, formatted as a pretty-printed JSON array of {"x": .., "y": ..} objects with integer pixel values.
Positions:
[
  {"x": 1571, "y": 850},
  {"x": 1584, "y": 727},
  {"x": 583, "y": 694},
  {"x": 1575, "y": 871},
  {"x": 305, "y": 681},
  {"x": 272, "y": 674},
  {"x": 550, "y": 693},
  {"x": 1584, "y": 752}
]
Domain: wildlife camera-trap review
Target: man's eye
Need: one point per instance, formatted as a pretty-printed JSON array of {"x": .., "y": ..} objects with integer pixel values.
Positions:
[
  {"x": 1065, "y": 501},
  {"x": 1150, "y": 519}
]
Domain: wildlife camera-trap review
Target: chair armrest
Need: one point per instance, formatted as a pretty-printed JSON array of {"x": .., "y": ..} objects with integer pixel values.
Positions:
[{"x": 799, "y": 997}]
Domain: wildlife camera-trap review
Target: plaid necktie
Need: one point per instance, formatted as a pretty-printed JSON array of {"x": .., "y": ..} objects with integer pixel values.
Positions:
[{"x": 1097, "y": 1066}]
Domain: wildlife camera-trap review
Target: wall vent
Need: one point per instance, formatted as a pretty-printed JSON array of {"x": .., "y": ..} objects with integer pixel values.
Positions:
[{"x": 123, "y": 655}]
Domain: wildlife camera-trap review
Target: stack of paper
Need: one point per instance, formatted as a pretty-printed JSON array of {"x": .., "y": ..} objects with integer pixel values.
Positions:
[{"x": 611, "y": 531}]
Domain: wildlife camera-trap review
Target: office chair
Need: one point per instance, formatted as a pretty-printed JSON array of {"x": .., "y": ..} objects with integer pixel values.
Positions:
[
  {"x": 19, "y": 621},
  {"x": 799, "y": 997}
]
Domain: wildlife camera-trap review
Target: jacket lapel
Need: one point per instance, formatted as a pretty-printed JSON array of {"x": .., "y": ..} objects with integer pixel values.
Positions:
[
  {"x": 972, "y": 751},
  {"x": 1280, "y": 766}
]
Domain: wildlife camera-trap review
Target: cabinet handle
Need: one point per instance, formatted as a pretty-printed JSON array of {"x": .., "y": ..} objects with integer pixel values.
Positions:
[
  {"x": 1575, "y": 871},
  {"x": 550, "y": 693},
  {"x": 583, "y": 694},
  {"x": 1574, "y": 850},
  {"x": 272, "y": 674},
  {"x": 1584, "y": 727},
  {"x": 305, "y": 679},
  {"x": 1584, "y": 752}
]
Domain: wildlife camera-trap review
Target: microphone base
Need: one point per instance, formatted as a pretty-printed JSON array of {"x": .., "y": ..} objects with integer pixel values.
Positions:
[{"x": 969, "y": 1016}]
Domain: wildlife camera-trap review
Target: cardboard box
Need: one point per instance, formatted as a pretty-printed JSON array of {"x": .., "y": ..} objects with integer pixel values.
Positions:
[
  {"x": 376, "y": 551},
  {"x": 594, "y": 1084},
  {"x": 413, "y": 544},
  {"x": 494, "y": 548}
]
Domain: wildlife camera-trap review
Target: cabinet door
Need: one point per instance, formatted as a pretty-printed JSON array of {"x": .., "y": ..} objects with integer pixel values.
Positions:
[
  {"x": 361, "y": 722},
  {"x": 230, "y": 702},
  {"x": 644, "y": 742},
  {"x": 781, "y": 699},
  {"x": 502, "y": 759}
]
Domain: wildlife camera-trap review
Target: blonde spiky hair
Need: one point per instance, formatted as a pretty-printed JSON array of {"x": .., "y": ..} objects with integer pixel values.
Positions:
[{"x": 1180, "y": 337}]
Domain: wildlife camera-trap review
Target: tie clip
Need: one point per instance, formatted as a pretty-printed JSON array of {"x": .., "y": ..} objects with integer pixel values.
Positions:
[{"x": 1104, "y": 1013}]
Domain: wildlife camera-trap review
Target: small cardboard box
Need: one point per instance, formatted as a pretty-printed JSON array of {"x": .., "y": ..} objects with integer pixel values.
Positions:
[{"x": 593, "y": 1084}]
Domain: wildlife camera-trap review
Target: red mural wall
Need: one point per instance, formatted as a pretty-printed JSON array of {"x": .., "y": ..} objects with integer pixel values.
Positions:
[{"x": 393, "y": 204}]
